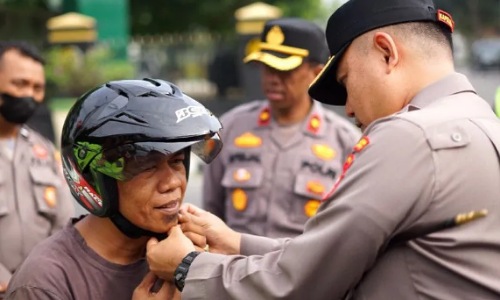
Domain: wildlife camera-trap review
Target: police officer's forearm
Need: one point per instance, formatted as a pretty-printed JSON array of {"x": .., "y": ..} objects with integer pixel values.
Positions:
[{"x": 259, "y": 245}]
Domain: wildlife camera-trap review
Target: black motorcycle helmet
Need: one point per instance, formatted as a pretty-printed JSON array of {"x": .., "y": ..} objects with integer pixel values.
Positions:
[{"x": 126, "y": 120}]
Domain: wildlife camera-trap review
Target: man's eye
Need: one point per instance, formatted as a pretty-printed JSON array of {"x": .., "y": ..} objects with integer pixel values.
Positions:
[{"x": 178, "y": 161}]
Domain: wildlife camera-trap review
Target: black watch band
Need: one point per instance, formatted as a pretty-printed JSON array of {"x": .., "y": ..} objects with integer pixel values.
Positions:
[{"x": 180, "y": 273}]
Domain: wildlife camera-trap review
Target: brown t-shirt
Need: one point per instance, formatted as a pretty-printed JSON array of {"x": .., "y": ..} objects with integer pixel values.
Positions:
[{"x": 63, "y": 267}]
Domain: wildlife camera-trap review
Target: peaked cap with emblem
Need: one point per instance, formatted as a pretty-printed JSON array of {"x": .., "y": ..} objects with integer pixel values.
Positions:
[
  {"x": 286, "y": 42},
  {"x": 357, "y": 17}
]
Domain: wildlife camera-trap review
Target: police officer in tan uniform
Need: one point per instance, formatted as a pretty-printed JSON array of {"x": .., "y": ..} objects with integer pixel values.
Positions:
[
  {"x": 283, "y": 154},
  {"x": 416, "y": 212},
  {"x": 34, "y": 199}
]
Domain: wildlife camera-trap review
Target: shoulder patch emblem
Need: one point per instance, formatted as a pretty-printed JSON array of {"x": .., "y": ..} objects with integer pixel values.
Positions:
[
  {"x": 265, "y": 117},
  {"x": 362, "y": 143},
  {"x": 323, "y": 151},
  {"x": 314, "y": 124},
  {"x": 248, "y": 140}
]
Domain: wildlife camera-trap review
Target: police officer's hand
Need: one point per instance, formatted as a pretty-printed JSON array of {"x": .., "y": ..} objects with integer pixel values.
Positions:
[
  {"x": 164, "y": 257},
  {"x": 152, "y": 287},
  {"x": 219, "y": 236},
  {"x": 193, "y": 231}
]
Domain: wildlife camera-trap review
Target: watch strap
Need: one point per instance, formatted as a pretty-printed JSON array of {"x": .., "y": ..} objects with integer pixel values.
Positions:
[{"x": 182, "y": 269}]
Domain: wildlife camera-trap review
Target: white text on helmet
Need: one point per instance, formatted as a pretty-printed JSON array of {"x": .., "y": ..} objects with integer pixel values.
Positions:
[{"x": 190, "y": 111}]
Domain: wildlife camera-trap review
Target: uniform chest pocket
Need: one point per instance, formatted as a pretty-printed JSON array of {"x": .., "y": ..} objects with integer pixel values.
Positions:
[
  {"x": 310, "y": 191},
  {"x": 242, "y": 190},
  {"x": 45, "y": 186}
]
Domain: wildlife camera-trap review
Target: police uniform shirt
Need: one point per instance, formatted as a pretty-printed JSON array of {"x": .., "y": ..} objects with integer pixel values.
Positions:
[
  {"x": 438, "y": 157},
  {"x": 269, "y": 179},
  {"x": 34, "y": 198}
]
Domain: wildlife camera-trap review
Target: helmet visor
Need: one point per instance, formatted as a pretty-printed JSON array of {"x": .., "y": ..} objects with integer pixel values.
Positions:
[{"x": 128, "y": 160}]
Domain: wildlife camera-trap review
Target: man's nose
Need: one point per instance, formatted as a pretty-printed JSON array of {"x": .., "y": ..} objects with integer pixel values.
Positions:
[
  {"x": 28, "y": 91},
  {"x": 169, "y": 178}
]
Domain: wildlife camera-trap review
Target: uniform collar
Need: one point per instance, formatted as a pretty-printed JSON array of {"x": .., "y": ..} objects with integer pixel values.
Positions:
[
  {"x": 313, "y": 125},
  {"x": 452, "y": 84}
]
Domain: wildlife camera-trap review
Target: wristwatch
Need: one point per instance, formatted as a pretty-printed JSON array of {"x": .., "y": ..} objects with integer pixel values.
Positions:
[{"x": 182, "y": 269}]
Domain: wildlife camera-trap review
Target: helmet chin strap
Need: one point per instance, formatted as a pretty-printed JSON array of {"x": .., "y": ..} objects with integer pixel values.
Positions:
[{"x": 131, "y": 230}]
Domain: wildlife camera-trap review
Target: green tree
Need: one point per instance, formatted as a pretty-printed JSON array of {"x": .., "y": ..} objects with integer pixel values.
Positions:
[
  {"x": 474, "y": 17},
  {"x": 175, "y": 16}
]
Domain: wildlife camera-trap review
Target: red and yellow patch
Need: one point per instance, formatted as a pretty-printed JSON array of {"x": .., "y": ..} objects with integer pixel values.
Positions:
[
  {"x": 265, "y": 117},
  {"x": 362, "y": 143},
  {"x": 446, "y": 18},
  {"x": 239, "y": 199},
  {"x": 248, "y": 140},
  {"x": 311, "y": 207},
  {"x": 314, "y": 124}
]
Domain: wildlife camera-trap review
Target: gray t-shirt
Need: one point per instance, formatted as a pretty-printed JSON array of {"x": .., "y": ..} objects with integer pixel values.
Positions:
[{"x": 63, "y": 267}]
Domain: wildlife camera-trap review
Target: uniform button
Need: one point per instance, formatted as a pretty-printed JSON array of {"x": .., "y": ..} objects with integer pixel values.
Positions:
[{"x": 456, "y": 137}]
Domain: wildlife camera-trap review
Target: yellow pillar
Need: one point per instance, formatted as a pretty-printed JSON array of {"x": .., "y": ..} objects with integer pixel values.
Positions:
[{"x": 71, "y": 28}]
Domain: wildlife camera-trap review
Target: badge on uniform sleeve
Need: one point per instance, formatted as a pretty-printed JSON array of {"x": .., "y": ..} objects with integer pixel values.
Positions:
[
  {"x": 323, "y": 151},
  {"x": 50, "y": 196},
  {"x": 242, "y": 175},
  {"x": 362, "y": 143},
  {"x": 40, "y": 151},
  {"x": 311, "y": 207},
  {"x": 248, "y": 140},
  {"x": 239, "y": 199}
]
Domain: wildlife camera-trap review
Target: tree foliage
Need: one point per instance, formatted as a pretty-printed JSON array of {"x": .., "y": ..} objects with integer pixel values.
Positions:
[
  {"x": 160, "y": 16},
  {"x": 474, "y": 17}
]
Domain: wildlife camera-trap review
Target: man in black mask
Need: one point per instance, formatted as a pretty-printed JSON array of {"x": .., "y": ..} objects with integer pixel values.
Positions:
[{"x": 34, "y": 199}]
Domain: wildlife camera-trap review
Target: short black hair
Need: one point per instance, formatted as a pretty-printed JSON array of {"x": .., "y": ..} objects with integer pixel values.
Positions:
[
  {"x": 429, "y": 30},
  {"x": 23, "y": 47}
]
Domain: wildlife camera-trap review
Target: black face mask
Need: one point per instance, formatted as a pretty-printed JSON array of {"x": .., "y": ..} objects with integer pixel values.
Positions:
[{"x": 17, "y": 109}]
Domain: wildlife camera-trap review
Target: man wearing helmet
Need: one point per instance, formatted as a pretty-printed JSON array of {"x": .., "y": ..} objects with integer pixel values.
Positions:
[{"x": 125, "y": 149}]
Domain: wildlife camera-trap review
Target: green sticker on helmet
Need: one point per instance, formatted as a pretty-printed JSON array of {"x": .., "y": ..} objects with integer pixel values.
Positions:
[{"x": 87, "y": 153}]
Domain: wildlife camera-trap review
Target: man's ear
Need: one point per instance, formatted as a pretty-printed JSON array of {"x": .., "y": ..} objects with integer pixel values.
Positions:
[{"x": 386, "y": 46}]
